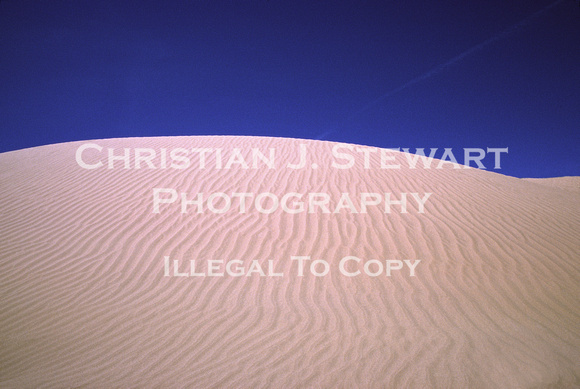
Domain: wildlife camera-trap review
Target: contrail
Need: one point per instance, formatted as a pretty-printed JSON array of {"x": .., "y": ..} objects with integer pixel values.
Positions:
[{"x": 455, "y": 59}]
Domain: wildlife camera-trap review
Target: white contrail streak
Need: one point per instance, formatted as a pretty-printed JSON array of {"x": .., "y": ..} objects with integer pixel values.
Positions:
[{"x": 457, "y": 58}]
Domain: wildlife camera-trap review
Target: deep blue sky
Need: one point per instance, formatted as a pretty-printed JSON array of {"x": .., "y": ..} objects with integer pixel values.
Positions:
[{"x": 390, "y": 74}]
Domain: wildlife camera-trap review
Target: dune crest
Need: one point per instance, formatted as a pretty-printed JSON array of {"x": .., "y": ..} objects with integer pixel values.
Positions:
[{"x": 88, "y": 300}]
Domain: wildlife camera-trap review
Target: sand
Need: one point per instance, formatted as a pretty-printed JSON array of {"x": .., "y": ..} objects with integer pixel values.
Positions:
[{"x": 85, "y": 300}]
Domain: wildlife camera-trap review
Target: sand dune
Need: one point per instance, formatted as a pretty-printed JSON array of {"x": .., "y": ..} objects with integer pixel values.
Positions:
[
  {"x": 85, "y": 300},
  {"x": 571, "y": 183}
]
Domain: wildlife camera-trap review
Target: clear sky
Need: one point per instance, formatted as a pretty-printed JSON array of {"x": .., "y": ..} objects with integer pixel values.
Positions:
[{"x": 407, "y": 73}]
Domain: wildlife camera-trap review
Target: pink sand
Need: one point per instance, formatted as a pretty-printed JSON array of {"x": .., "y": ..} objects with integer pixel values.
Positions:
[{"x": 495, "y": 302}]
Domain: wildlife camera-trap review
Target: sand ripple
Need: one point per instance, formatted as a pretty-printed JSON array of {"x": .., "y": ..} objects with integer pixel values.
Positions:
[{"x": 84, "y": 301}]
